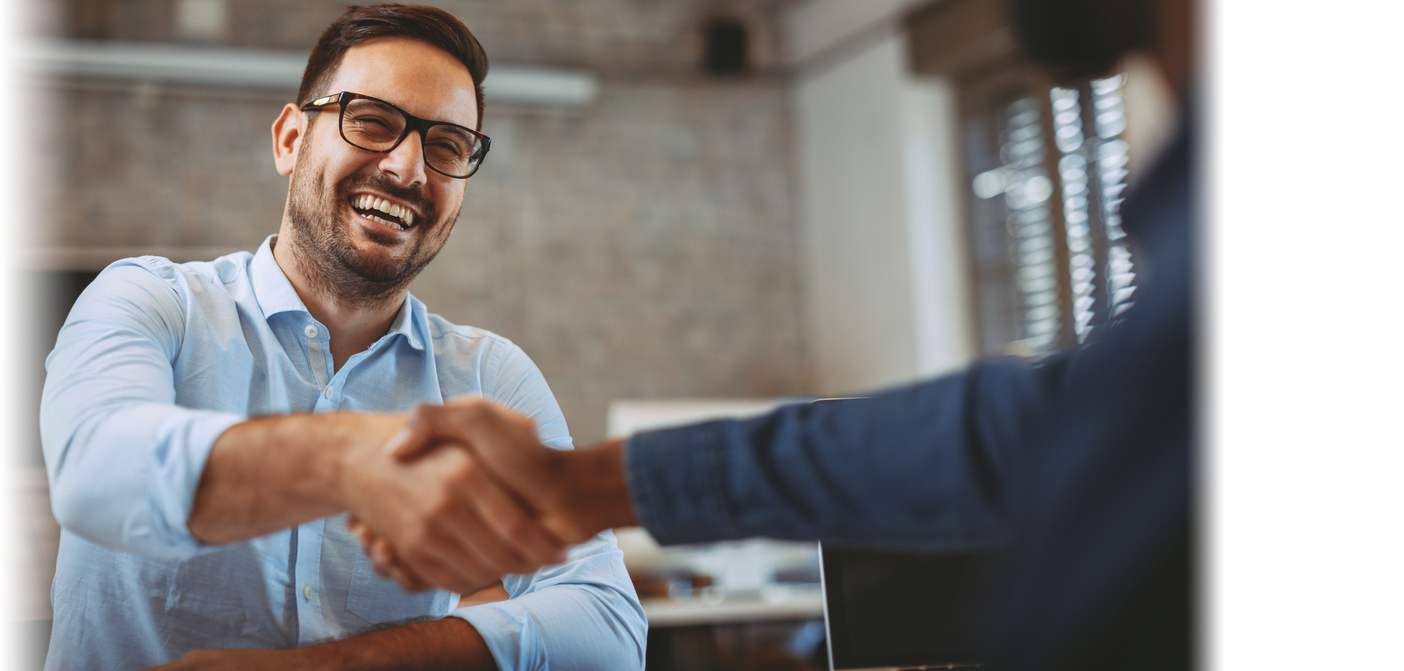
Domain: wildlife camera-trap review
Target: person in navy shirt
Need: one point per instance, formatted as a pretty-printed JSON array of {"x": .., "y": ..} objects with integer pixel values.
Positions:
[{"x": 1076, "y": 471}]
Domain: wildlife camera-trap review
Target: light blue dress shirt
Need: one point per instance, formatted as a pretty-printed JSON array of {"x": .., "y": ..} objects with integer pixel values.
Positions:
[{"x": 155, "y": 361}]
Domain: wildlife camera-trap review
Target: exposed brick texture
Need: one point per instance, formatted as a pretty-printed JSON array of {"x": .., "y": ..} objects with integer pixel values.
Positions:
[{"x": 647, "y": 246}]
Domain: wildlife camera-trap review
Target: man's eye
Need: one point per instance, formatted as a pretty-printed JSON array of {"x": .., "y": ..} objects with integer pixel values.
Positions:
[
  {"x": 449, "y": 149},
  {"x": 370, "y": 122}
]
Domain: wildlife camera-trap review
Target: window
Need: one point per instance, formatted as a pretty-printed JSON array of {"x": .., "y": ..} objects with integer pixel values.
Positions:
[
  {"x": 1047, "y": 170},
  {"x": 1046, "y": 167}
]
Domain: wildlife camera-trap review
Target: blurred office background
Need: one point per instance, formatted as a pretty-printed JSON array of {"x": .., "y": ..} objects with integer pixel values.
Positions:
[{"x": 691, "y": 207}]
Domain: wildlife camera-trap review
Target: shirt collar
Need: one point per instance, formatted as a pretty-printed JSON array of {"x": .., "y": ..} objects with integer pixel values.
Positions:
[
  {"x": 413, "y": 322},
  {"x": 271, "y": 287},
  {"x": 275, "y": 294}
]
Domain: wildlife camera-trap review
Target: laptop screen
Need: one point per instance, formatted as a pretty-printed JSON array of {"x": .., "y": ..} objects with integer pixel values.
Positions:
[{"x": 901, "y": 609}]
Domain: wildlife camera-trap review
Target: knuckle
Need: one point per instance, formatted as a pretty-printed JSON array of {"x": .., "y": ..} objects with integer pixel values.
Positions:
[
  {"x": 472, "y": 471},
  {"x": 460, "y": 469},
  {"x": 422, "y": 411},
  {"x": 441, "y": 505},
  {"x": 416, "y": 537}
]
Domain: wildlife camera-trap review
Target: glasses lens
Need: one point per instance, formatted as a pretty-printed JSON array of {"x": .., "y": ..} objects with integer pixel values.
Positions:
[
  {"x": 452, "y": 150},
  {"x": 372, "y": 125}
]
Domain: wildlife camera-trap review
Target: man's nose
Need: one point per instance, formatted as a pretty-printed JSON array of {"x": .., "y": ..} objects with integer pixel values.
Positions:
[{"x": 406, "y": 162}]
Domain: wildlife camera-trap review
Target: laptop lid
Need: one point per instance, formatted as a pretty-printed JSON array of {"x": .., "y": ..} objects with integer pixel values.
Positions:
[{"x": 901, "y": 610}]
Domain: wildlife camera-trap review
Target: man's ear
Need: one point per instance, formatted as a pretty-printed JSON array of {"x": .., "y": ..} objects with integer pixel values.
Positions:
[{"x": 287, "y": 138}]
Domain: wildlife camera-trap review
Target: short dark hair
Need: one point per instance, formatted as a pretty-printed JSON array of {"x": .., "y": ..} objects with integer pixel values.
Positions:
[
  {"x": 360, "y": 23},
  {"x": 1081, "y": 38}
]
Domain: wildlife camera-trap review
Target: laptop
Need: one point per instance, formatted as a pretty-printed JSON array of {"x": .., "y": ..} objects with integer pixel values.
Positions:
[{"x": 891, "y": 611}]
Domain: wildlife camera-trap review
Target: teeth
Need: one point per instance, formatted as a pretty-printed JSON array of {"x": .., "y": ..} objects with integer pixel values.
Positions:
[
  {"x": 391, "y": 224},
  {"x": 368, "y": 202}
]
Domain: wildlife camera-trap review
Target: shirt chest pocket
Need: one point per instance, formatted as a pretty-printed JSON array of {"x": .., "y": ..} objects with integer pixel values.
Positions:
[{"x": 379, "y": 600}]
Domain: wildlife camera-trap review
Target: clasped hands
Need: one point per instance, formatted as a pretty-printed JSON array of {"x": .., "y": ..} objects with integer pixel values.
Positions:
[{"x": 473, "y": 495}]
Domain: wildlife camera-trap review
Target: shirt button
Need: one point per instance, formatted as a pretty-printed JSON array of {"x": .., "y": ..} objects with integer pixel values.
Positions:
[
  {"x": 311, "y": 331},
  {"x": 307, "y": 592},
  {"x": 328, "y": 392}
]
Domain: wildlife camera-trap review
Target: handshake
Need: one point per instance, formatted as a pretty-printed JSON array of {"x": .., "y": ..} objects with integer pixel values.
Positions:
[{"x": 484, "y": 498}]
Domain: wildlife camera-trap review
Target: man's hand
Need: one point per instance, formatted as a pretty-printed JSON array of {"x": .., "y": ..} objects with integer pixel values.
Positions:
[
  {"x": 572, "y": 495},
  {"x": 271, "y": 473},
  {"x": 453, "y": 524}
]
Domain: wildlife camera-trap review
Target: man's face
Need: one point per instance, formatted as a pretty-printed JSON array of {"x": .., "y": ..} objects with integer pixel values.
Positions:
[{"x": 333, "y": 218}]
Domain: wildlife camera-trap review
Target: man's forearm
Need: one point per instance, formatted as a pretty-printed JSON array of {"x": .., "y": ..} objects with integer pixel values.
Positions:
[
  {"x": 600, "y": 487},
  {"x": 448, "y": 643},
  {"x": 272, "y": 473}
]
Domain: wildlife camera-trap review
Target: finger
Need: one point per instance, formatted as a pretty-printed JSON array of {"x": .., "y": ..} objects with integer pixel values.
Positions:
[
  {"x": 511, "y": 521},
  {"x": 360, "y": 530},
  {"x": 467, "y": 541},
  {"x": 505, "y": 440},
  {"x": 366, "y": 536},
  {"x": 382, "y": 556},
  {"x": 526, "y": 424},
  {"x": 459, "y": 574},
  {"x": 387, "y": 564},
  {"x": 488, "y": 554},
  {"x": 408, "y": 580},
  {"x": 448, "y": 544},
  {"x": 416, "y": 571},
  {"x": 414, "y": 439},
  {"x": 427, "y": 424},
  {"x": 507, "y": 443}
]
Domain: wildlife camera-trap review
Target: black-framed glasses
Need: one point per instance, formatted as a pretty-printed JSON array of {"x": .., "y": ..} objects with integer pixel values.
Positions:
[{"x": 375, "y": 125}]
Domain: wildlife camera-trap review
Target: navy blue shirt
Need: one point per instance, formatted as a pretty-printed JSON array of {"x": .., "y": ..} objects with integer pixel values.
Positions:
[{"x": 1075, "y": 470}]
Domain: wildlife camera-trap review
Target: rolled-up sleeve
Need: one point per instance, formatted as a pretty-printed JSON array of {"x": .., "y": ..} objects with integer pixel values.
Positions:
[
  {"x": 583, "y": 614},
  {"x": 123, "y": 459}
]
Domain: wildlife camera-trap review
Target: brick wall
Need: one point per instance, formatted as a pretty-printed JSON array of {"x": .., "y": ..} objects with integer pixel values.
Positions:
[{"x": 647, "y": 246}]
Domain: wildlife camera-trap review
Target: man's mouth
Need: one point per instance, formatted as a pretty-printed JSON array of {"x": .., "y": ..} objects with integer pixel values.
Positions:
[{"x": 383, "y": 211}]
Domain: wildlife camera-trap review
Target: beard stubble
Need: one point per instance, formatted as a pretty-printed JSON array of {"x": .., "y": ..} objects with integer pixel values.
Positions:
[{"x": 323, "y": 248}]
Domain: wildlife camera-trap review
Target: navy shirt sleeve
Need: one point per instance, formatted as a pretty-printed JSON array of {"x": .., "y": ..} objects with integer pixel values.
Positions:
[{"x": 921, "y": 467}]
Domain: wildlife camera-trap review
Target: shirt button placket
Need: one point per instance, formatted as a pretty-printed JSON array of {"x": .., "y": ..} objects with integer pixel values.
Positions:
[{"x": 319, "y": 366}]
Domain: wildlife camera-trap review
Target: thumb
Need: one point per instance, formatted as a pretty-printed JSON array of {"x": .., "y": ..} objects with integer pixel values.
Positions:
[
  {"x": 504, "y": 440},
  {"x": 414, "y": 438}
]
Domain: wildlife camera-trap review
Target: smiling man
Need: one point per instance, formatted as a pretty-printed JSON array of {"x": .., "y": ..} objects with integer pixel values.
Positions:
[{"x": 209, "y": 426}]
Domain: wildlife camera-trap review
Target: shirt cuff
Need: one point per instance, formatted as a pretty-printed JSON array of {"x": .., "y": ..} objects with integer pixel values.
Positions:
[
  {"x": 176, "y": 478},
  {"x": 510, "y": 632},
  {"x": 679, "y": 479},
  {"x": 122, "y": 498},
  {"x": 583, "y": 614}
]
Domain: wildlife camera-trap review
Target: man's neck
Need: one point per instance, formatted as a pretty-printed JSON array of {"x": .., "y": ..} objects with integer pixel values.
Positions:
[{"x": 352, "y": 326}]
